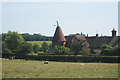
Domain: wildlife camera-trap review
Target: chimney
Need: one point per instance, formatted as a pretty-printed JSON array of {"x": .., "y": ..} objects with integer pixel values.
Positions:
[
  {"x": 81, "y": 33},
  {"x": 113, "y": 32},
  {"x": 87, "y": 35},
  {"x": 96, "y": 35}
]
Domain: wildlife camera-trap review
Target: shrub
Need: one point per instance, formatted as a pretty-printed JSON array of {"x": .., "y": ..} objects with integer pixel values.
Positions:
[
  {"x": 109, "y": 50},
  {"x": 5, "y": 49},
  {"x": 35, "y": 48},
  {"x": 45, "y": 47},
  {"x": 26, "y": 48},
  {"x": 61, "y": 50},
  {"x": 64, "y": 58}
]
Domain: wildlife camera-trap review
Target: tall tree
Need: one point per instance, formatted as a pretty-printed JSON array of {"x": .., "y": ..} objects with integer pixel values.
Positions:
[{"x": 14, "y": 41}]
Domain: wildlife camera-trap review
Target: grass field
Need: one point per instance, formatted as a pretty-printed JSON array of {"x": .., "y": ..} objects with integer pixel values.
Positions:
[
  {"x": 37, "y": 69},
  {"x": 39, "y": 42}
]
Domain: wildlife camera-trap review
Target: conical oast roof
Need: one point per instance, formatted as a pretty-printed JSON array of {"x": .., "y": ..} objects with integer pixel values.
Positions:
[{"x": 58, "y": 36}]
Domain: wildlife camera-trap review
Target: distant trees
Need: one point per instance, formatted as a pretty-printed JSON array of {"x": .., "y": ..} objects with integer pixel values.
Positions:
[
  {"x": 45, "y": 47},
  {"x": 36, "y": 48},
  {"x": 35, "y": 37},
  {"x": 77, "y": 47}
]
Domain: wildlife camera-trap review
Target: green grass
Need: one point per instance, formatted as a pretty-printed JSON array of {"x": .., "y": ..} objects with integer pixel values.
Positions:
[
  {"x": 40, "y": 42},
  {"x": 37, "y": 69}
]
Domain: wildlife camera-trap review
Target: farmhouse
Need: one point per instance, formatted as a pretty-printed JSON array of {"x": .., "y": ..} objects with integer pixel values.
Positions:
[{"x": 94, "y": 43}]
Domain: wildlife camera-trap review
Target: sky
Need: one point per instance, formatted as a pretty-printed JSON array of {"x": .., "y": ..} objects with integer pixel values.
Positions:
[{"x": 73, "y": 17}]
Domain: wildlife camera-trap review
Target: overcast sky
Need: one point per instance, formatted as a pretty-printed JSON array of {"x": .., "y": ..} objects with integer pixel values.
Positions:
[{"x": 73, "y": 17}]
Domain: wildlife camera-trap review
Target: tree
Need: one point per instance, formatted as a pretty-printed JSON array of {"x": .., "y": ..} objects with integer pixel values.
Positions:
[
  {"x": 115, "y": 50},
  {"x": 106, "y": 49},
  {"x": 26, "y": 48},
  {"x": 14, "y": 41},
  {"x": 35, "y": 48},
  {"x": 77, "y": 47},
  {"x": 61, "y": 50},
  {"x": 4, "y": 48},
  {"x": 45, "y": 47}
]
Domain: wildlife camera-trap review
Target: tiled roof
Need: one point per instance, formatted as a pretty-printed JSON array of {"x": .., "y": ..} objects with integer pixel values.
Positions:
[
  {"x": 97, "y": 51},
  {"x": 90, "y": 39},
  {"x": 99, "y": 41},
  {"x": 58, "y": 36},
  {"x": 73, "y": 38},
  {"x": 81, "y": 37},
  {"x": 113, "y": 41}
]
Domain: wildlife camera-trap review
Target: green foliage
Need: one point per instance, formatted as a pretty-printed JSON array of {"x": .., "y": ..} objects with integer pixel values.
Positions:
[
  {"x": 77, "y": 47},
  {"x": 61, "y": 50},
  {"x": 67, "y": 58},
  {"x": 109, "y": 50},
  {"x": 45, "y": 47},
  {"x": 39, "y": 42},
  {"x": 35, "y": 48},
  {"x": 26, "y": 48},
  {"x": 5, "y": 49},
  {"x": 35, "y": 37},
  {"x": 13, "y": 41},
  {"x": 4, "y": 35}
]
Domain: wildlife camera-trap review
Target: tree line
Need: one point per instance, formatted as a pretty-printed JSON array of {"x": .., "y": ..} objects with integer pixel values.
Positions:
[
  {"x": 14, "y": 43},
  {"x": 35, "y": 37},
  {"x": 30, "y": 37}
]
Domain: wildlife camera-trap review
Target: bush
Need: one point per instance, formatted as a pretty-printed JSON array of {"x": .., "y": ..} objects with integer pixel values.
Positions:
[
  {"x": 62, "y": 58},
  {"x": 45, "y": 47},
  {"x": 35, "y": 48},
  {"x": 61, "y": 50},
  {"x": 26, "y": 48},
  {"x": 109, "y": 50},
  {"x": 5, "y": 49}
]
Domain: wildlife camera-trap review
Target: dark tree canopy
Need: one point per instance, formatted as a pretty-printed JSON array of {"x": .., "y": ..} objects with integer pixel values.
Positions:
[
  {"x": 45, "y": 47},
  {"x": 26, "y": 48},
  {"x": 35, "y": 37},
  {"x": 36, "y": 48},
  {"x": 77, "y": 47},
  {"x": 13, "y": 41},
  {"x": 60, "y": 50}
]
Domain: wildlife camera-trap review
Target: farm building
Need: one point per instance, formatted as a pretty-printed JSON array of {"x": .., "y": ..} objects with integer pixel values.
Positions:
[
  {"x": 94, "y": 43},
  {"x": 58, "y": 38}
]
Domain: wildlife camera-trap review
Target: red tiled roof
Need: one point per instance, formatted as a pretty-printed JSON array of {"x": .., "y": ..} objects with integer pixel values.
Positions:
[
  {"x": 73, "y": 38},
  {"x": 81, "y": 37},
  {"x": 58, "y": 36},
  {"x": 97, "y": 51}
]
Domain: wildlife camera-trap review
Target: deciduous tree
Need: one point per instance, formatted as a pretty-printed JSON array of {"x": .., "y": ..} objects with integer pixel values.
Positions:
[
  {"x": 77, "y": 46},
  {"x": 14, "y": 41}
]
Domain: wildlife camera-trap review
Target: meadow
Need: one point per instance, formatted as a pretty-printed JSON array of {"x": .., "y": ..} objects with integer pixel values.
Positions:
[
  {"x": 37, "y": 69},
  {"x": 39, "y": 42}
]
